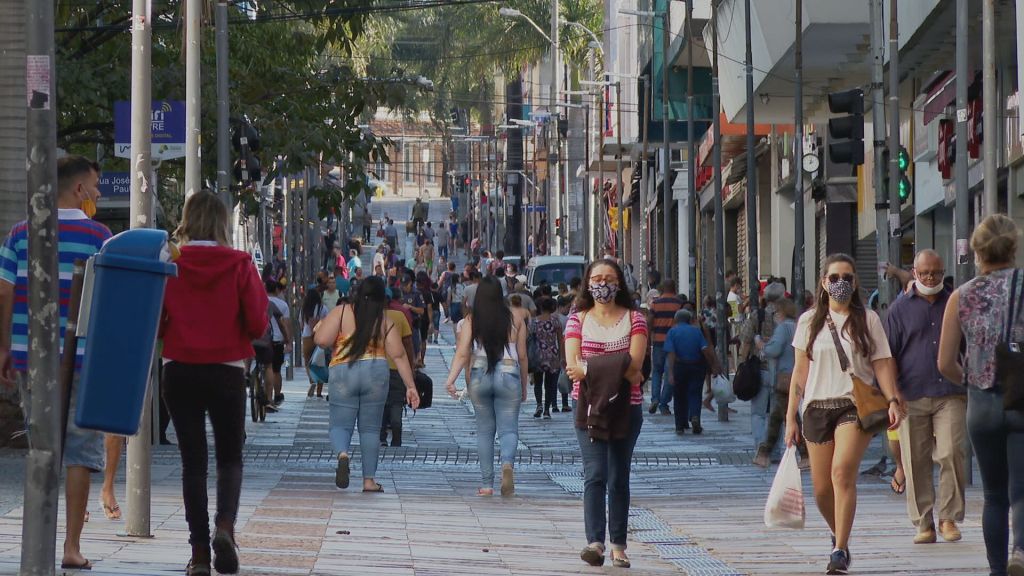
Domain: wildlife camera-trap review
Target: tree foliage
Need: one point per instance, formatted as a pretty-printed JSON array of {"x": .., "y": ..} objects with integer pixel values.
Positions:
[{"x": 291, "y": 76}]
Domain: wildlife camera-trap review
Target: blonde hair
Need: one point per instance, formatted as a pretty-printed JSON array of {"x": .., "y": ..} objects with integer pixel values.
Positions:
[
  {"x": 995, "y": 240},
  {"x": 204, "y": 218}
]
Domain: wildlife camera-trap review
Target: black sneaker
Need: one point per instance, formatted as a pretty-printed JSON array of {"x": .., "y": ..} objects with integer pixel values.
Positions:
[
  {"x": 653, "y": 408},
  {"x": 554, "y": 409},
  {"x": 538, "y": 413},
  {"x": 838, "y": 562},
  {"x": 566, "y": 408},
  {"x": 278, "y": 399}
]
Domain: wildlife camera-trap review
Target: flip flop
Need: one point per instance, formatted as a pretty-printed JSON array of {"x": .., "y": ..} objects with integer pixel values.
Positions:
[
  {"x": 69, "y": 566},
  {"x": 341, "y": 474},
  {"x": 376, "y": 488},
  {"x": 898, "y": 487},
  {"x": 112, "y": 512}
]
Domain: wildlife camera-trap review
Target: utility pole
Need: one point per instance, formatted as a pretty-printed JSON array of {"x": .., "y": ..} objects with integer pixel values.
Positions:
[
  {"x": 42, "y": 468},
  {"x": 554, "y": 208},
  {"x": 961, "y": 210},
  {"x": 753, "y": 282},
  {"x": 716, "y": 167},
  {"x": 600, "y": 213},
  {"x": 621, "y": 194},
  {"x": 193, "y": 125},
  {"x": 990, "y": 105},
  {"x": 223, "y": 110},
  {"x": 137, "y": 463},
  {"x": 645, "y": 181},
  {"x": 798, "y": 142},
  {"x": 691, "y": 160},
  {"x": 667, "y": 158},
  {"x": 895, "y": 232},
  {"x": 878, "y": 143}
]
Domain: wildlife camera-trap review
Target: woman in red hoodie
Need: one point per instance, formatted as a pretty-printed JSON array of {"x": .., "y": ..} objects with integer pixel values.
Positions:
[{"x": 212, "y": 311}]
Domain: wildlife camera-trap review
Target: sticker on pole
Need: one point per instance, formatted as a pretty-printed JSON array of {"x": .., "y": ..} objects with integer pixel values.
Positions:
[
  {"x": 961, "y": 115},
  {"x": 37, "y": 81},
  {"x": 961, "y": 250},
  {"x": 895, "y": 230}
]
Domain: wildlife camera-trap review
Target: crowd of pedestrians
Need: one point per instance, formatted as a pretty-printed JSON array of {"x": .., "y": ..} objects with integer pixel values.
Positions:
[{"x": 945, "y": 363}]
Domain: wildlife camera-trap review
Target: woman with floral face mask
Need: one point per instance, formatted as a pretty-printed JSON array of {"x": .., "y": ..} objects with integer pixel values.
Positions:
[
  {"x": 822, "y": 389},
  {"x": 606, "y": 323}
]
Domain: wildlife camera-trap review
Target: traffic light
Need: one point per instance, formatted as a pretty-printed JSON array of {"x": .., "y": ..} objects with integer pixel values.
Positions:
[
  {"x": 246, "y": 142},
  {"x": 846, "y": 133},
  {"x": 903, "y": 163}
]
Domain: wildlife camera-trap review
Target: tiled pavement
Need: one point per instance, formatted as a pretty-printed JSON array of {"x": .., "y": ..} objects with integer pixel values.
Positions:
[{"x": 697, "y": 506}]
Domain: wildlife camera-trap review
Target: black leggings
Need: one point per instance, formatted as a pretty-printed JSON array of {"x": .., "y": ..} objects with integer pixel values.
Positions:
[
  {"x": 191, "y": 391},
  {"x": 545, "y": 384}
]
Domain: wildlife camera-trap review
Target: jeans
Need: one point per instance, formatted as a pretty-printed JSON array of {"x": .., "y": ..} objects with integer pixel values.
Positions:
[
  {"x": 191, "y": 391},
  {"x": 442, "y": 251},
  {"x": 998, "y": 439},
  {"x": 545, "y": 386},
  {"x": 689, "y": 379},
  {"x": 455, "y": 312},
  {"x": 496, "y": 399},
  {"x": 759, "y": 409},
  {"x": 358, "y": 392},
  {"x": 606, "y": 479},
  {"x": 659, "y": 393}
]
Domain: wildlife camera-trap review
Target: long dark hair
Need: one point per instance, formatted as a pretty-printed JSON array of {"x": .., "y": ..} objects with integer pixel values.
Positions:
[
  {"x": 494, "y": 333},
  {"x": 584, "y": 301},
  {"x": 368, "y": 305},
  {"x": 856, "y": 326},
  {"x": 310, "y": 303}
]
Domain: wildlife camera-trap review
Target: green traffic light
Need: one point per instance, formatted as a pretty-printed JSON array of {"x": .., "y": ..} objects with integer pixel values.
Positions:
[
  {"x": 904, "y": 190},
  {"x": 903, "y": 159}
]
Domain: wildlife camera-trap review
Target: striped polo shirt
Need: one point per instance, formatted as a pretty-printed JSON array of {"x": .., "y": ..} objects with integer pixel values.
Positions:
[
  {"x": 663, "y": 311},
  {"x": 78, "y": 239}
]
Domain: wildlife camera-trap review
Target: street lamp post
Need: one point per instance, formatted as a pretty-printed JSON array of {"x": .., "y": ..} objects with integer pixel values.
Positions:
[{"x": 554, "y": 245}]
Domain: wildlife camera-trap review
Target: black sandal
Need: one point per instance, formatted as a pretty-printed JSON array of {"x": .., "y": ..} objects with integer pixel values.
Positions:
[
  {"x": 376, "y": 488},
  {"x": 342, "y": 472}
]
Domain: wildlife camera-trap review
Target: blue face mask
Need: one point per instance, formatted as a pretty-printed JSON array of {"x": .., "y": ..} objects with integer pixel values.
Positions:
[{"x": 603, "y": 292}]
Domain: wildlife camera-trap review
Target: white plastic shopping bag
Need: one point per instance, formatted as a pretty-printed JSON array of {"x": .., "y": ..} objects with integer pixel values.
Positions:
[
  {"x": 785, "y": 505},
  {"x": 721, "y": 389}
]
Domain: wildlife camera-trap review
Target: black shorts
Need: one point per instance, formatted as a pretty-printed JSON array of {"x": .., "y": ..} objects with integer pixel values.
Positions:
[
  {"x": 278, "y": 359},
  {"x": 822, "y": 417}
]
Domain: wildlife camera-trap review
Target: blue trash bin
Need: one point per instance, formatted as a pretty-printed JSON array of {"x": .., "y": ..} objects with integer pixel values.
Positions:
[{"x": 129, "y": 277}]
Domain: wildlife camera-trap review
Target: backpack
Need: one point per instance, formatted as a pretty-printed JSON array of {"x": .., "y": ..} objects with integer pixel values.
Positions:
[
  {"x": 532, "y": 350},
  {"x": 264, "y": 345},
  {"x": 425, "y": 388},
  {"x": 747, "y": 381}
]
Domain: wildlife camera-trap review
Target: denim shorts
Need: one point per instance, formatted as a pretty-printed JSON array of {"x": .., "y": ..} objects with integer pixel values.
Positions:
[
  {"x": 822, "y": 417},
  {"x": 82, "y": 447}
]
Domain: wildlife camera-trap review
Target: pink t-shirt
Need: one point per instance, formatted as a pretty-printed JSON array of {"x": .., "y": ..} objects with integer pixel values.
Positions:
[{"x": 596, "y": 340}]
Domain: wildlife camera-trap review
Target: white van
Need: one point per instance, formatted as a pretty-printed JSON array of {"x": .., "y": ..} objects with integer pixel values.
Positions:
[{"x": 554, "y": 270}]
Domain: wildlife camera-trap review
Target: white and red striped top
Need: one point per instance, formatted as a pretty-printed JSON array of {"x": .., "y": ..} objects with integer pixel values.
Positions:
[{"x": 596, "y": 340}]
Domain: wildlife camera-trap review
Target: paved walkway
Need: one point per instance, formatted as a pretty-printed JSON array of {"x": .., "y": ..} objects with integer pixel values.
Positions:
[{"x": 697, "y": 506}]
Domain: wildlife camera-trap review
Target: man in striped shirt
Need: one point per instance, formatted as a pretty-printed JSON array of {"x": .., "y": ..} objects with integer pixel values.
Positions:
[
  {"x": 662, "y": 313},
  {"x": 79, "y": 237}
]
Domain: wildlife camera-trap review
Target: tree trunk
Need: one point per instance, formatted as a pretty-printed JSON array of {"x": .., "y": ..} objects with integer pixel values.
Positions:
[{"x": 13, "y": 184}]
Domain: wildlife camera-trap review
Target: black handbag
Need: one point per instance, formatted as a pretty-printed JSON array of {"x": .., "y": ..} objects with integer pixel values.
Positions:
[
  {"x": 425, "y": 388},
  {"x": 1010, "y": 353}
]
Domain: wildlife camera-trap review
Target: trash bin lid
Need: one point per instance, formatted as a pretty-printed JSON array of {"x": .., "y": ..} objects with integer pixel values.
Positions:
[
  {"x": 137, "y": 249},
  {"x": 138, "y": 242}
]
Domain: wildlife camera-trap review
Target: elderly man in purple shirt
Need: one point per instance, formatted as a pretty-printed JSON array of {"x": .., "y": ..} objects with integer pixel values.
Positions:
[{"x": 936, "y": 408}]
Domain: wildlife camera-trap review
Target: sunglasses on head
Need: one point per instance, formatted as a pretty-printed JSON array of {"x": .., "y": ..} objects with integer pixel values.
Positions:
[{"x": 838, "y": 277}]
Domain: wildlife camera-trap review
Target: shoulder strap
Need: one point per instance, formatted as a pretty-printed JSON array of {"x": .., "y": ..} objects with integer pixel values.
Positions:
[
  {"x": 1014, "y": 306},
  {"x": 844, "y": 362}
]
